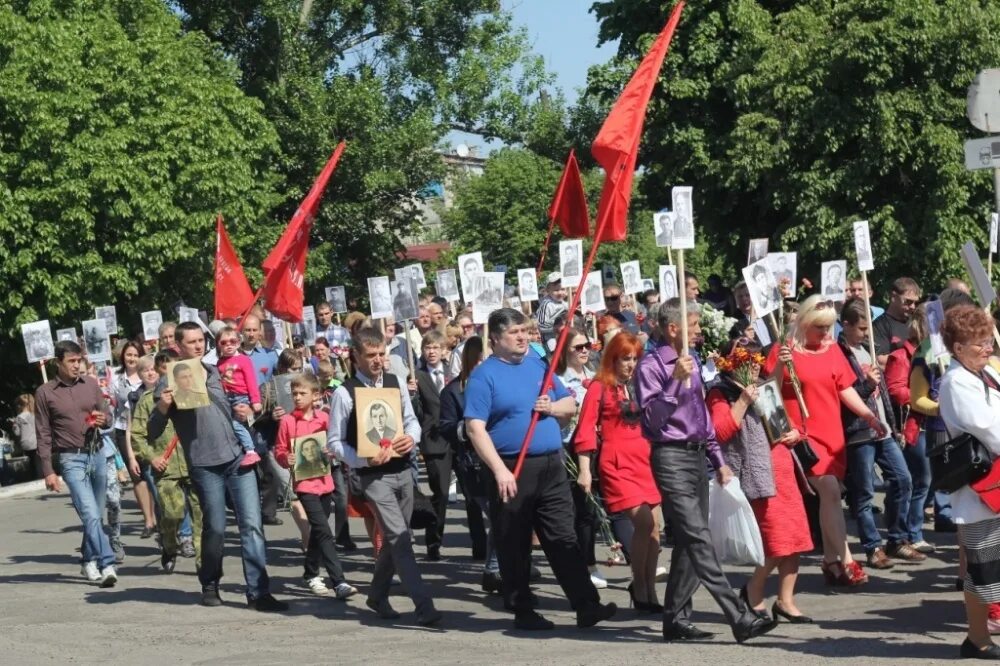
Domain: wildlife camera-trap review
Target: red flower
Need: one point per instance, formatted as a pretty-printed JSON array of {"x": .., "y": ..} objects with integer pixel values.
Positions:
[
  {"x": 385, "y": 443},
  {"x": 90, "y": 420}
]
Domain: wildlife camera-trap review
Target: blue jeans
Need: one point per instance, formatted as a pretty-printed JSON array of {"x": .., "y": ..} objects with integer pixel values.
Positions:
[
  {"x": 242, "y": 432},
  {"x": 211, "y": 484},
  {"x": 86, "y": 475},
  {"x": 919, "y": 466},
  {"x": 889, "y": 457},
  {"x": 185, "y": 531}
]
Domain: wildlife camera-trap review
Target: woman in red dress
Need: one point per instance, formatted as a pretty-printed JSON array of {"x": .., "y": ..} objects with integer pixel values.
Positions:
[
  {"x": 827, "y": 383},
  {"x": 609, "y": 429},
  {"x": 769, "y": 478}
]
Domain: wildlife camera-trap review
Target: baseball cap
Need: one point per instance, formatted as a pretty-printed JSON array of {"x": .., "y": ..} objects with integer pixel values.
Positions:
[{"x": 554, "y": 277}]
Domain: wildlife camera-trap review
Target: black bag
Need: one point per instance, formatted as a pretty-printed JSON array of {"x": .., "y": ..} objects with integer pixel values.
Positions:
[
  {"x": 958, "y": 462},
  {"x": 807, "y": 457}
]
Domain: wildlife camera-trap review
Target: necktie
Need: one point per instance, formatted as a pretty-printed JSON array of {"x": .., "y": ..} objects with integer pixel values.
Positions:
[{"x": 438, "y": 380}]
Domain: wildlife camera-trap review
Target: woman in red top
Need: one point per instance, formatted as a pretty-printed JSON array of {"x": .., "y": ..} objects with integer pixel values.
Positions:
[
  {"x": 611, "y": 415},
  {"x": 827, "y": 383}
]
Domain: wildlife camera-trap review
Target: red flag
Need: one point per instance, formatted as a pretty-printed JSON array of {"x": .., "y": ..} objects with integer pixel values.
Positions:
[
  {"x": 233, "y": 295},
  {"x": 616, "y": 147},
  {"x": 569, "y": 205},
  {"x": 285, "y": 266}
]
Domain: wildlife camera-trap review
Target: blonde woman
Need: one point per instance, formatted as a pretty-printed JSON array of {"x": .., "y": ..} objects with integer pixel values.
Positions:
[{"x": 827, "y": 381}]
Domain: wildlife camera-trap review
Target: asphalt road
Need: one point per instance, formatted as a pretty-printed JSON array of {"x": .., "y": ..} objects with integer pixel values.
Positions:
[{"x": 51, "y": 614}]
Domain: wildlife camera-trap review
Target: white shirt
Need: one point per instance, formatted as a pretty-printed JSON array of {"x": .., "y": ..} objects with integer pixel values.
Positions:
[{"x": 968, "y": 406}]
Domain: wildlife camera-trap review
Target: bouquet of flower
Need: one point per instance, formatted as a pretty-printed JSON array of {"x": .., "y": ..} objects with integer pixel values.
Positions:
[
  {"x": 715, "y": 328},
  {"x": 739, "y": 363},
  {"x": 615, "y": 554}
]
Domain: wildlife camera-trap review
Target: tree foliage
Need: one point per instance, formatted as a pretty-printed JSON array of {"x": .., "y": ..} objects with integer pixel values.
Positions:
[{"x": 792, "y": 120}]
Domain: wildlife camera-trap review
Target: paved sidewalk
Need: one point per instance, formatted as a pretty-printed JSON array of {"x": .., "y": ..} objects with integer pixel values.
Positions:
[{"x": 52, "y": 615}]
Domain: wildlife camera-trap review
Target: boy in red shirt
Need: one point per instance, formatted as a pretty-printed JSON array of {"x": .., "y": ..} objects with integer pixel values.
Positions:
[
  {"x": 239, "y": 380},
  {"x": 315, "y": 493}
]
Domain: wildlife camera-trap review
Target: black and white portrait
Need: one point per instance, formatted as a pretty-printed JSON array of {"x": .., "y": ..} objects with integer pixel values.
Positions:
[
  {"x": 337, "y": 298},
  {"x": 784, "y": 266},
  {"x": 647, "y": 284},
  {"x": 833, "y": 282},
  {"x": 446, "y": 285},
  {"x": 404, "y": 298},
  {"x": 683, "y": 209},
  {"x": 188, "y": 314},
  {"x": 107, "y": 313},
  {"x": 570, "y": 261},
  {"x": 631, "y": 278},
  {"x": 771, "y": 409},
  {"x": 68, "y": 334},
  {"x": 663, "y": 227},
  {"x": 96, "y": 340},
  {"x": 470, "y": 266},
  {"x": 38, "y": 344},
  {"x": 762, "y": 287},
  {"x": 151, "y": 325},
  {"x": 308, "y": 325},
  {"x": 527, "y": 285},
  {"x": 489, "y": 296},
  {"x": 417, "y": 273},
  {"x": 863, "y": 246},
  {"x": 668, "y": 283},
  {"x": 757, "y": 251},
  {"x": 380, "y": 297},
  {"x": 380, "y": 422},
  {"x": 310, "y": 462},
  {"x": 593, "y": 293}
]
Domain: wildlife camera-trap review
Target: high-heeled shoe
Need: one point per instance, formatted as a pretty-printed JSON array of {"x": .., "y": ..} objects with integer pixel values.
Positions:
[
  {"x": 777, "y": 611},
  {"x": 837, "y": 575},
  {"x": 745, "y": 598},
  {"x": 642, "y": 606}
]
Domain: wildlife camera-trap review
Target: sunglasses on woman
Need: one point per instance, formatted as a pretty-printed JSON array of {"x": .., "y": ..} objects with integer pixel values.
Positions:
[{"x": 586, "y": 346}]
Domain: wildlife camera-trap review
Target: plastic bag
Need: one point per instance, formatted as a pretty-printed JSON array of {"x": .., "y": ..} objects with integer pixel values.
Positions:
[{"x": 734, "y": 529}]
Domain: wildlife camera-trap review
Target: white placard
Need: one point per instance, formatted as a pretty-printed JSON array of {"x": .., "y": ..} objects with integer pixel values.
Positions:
[
  {"x": 863, "y": 246},
  {"x": 993, "y": 231},
  {"x": 757, "y": 250},
  {"x": 763, "y": 333},
  {"x": 647, "y": 284},
  {"x": 785, "y": 268},
  {"x": 489, "y": 296},
  {"x": 405, "y": 296},
  {"x": 571, "y": 262},
  {"x": 446, "y": 285},
  {"x": 683, "y": 238},
  {"x": 527, "y": 284},
  {"x": 984, "y": 289},
  {"x": 67, "y": 334},
  {"x": 110, "y": 317},
  {"x": 631, "y": 277},
  {"x": 592, "y": 299},
  {"x": 833, "y": 280},
  {"x": 935, "y": 318},
  {"x": 668, "y": 282},
  {"x": 762, "y": 286},
  {"x": 97, "y": 340},
  {"x": 469, "y": 267},
  {"x": 417, "y": 272},
  {"x": 380, "y": 297},
  {"x": 337, "y": 298},
  {"x": 308, "y": 325},
  {"x": 663, "y": 228},
  {"x": 151, "y": 322},
  {"x": 38, "y": 343}
]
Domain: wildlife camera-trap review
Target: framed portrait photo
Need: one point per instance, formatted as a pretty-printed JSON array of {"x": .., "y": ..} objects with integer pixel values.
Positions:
[
  {"x": 310, "y": 461},
  {"x": 771, "y": 410},
  {"x": 380, "y": 419},
  {"x": 188, "y": 380}
]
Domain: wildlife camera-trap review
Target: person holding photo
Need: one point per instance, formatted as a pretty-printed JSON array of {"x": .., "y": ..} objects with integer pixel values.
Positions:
[
  {"x": 827, "y": 382},
  {"x": 315, "y": 494},
  {"x": 769, "y": 478}
]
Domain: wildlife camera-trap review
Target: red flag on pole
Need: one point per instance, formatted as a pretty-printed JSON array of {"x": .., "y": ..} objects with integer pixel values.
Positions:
[
  {"x": 233, "y": 295},
  {"x": 569, "y": 205},
  {"x": 285, "y": 266},
  {"x": 616, "y": 147}
]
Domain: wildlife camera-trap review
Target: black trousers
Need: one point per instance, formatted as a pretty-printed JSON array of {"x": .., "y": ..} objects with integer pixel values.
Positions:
[
  {"x": 439, "y": 478},
  {"x": 269, "y": 484},
  {"x": 321, "y": 550},
  {"x": 468, "y": 483},
  {"x": 342, "y": 531},
  {"x": 585, "y": 523},
  {"x": 543, "y": 504}
]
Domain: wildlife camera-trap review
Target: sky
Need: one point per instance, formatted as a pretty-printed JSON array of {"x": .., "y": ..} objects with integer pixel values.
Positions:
[{"x": 564, "y": 33}]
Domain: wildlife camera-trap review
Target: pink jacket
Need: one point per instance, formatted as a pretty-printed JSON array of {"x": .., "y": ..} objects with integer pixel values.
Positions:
[
  {"x": 292, "y": 426},
  {"x": 239, "y": 377}
]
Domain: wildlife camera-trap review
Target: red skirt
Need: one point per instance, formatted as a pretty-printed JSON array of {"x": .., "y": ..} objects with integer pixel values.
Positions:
[{"x": 784, "y": 526}]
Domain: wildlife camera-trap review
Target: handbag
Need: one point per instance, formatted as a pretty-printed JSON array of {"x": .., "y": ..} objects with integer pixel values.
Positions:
[
  {"x": 959, "y": 462},
  {"x": 805, "y": 454},
  {"x": 988, "y": 488}
]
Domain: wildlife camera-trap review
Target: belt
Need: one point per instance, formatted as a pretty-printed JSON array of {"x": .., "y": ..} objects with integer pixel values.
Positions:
[
  {"x": 534, "y": 455},
  {"x": 687, "y": 446}
]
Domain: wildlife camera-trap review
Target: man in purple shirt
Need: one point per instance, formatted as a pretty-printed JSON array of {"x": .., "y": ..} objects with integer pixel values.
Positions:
[{"x": 676, "y": 421}]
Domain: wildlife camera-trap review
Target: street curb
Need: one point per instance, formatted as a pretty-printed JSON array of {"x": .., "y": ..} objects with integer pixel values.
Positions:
[{"x": 20, "y": 489}]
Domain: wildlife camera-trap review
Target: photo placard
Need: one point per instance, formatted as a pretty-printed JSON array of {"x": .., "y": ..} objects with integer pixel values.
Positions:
[{"x": 380, "y": 419}]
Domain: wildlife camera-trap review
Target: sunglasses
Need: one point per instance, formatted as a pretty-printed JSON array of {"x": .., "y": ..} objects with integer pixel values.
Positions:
[
  {"x": 586, "y": 346},
  {"x": 613, "y": 297},
  {"x": 228, "y": 341},
  {"x": 468, "y": 327}
]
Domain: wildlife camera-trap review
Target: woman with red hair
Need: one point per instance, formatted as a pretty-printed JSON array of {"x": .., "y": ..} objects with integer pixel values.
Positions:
[{"x": 609, "y": 431}]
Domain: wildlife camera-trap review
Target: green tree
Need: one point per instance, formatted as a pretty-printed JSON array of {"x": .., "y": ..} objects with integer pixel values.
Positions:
[{"x": 792, "y": 120}]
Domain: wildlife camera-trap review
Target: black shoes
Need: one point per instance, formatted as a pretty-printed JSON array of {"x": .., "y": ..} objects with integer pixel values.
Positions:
[
  {"x": 492, "y": 582},
  {"x": 347, "y": 545},
  {"x": 267, "y": 604},
  {"x": 508, "y": 603},
  {"x": 529, "y": 620},
  {"x": 758, "y": 627},
  {"x": 274, "y": 520},
  {"x": 642, "y": 606},
  {"x": 970, "y": 651},
  {"x": 794, "y": 619},
  {"x": 745, "y": 598},
  {"x": 593, "y": 613},
  {"x": 434, "y": 553},
  {"x": 428, "y": 617},
  {"x": 147, "y": 532},
  {"x": 685, "y": 632},
  {"x": 210, "y": 596},
  {"x": 383, "y": 609},
  {"x": 167, "y": 563}
]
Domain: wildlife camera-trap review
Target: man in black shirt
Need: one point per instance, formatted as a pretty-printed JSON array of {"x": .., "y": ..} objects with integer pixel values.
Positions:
[{"x": 892, "y": 328}]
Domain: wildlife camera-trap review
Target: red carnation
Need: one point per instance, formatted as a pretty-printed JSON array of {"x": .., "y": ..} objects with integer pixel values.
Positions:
[{"x": 385, "y": 443}]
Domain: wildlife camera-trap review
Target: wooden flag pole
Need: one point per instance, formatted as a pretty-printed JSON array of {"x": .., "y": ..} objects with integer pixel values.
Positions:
[
  {"x": 454, "y": 312},
  {"x": 45, "y": 373},
  {"x": 670, "y": 256},
  {"x": 868, "y": 313},
  {"x": 410, "y": 351},
  {"x": 684, "y": 307},
  {"x": 339, "y": 323},
  {"x": 288, "y": 336},
  {"x": 790, "y": 367}
]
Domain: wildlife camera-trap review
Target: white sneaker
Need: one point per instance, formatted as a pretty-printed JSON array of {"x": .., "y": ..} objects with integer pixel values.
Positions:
[
  {"x": 599, "y": 581},
  {"x": 108, "y": 576},
  {"x": 923, "y": 547},
  {"x": 318, "y": 587},
  {"x": 344, "y": 591},
  {"x": 661, "y": 574},
  {"x": 90, "y": 572}
]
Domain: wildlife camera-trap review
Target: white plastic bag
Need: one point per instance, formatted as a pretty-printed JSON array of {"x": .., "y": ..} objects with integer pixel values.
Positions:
[{"x": 734, "y": 529}]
